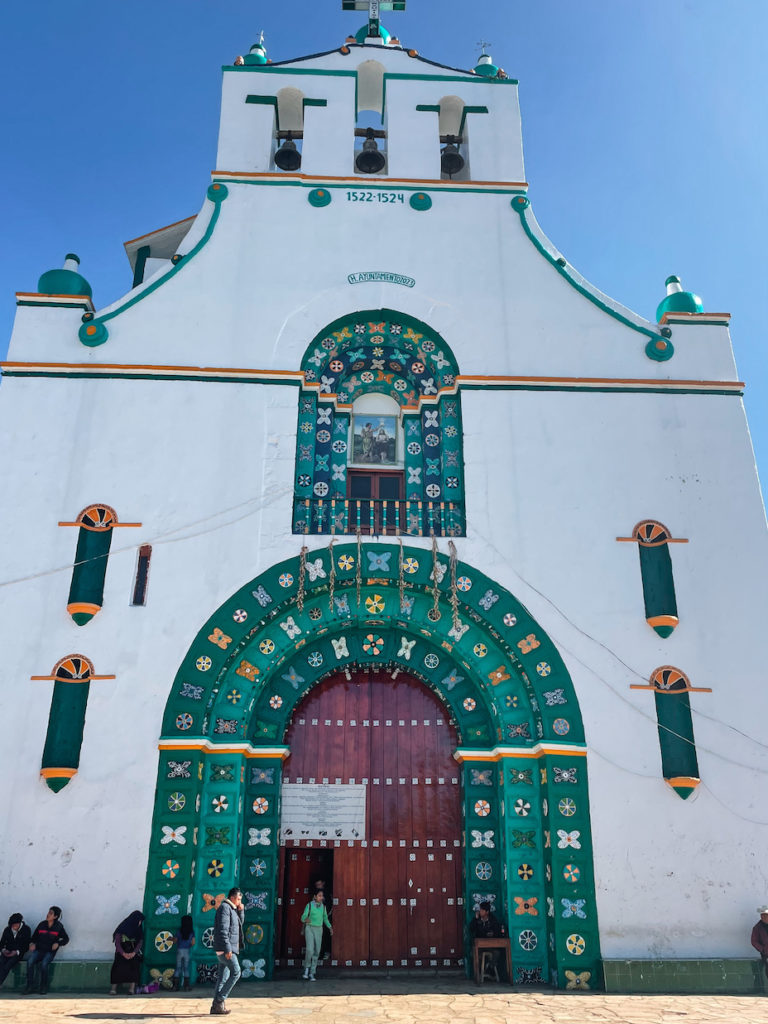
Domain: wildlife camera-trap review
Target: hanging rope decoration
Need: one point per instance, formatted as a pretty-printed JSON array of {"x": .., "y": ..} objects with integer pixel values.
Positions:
[
  {"x": 358, "y": 576},
  {"x": 454, "y": 595},
  {"x": 435, "y": 590},
  {"x": 302, "y": 577},
  {"x": 401, "y": 575},
  {"x": 331, "y": 575}
]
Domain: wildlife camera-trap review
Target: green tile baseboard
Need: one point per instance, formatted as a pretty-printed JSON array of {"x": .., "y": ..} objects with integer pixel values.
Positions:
[{"x": 685, "y": 976}]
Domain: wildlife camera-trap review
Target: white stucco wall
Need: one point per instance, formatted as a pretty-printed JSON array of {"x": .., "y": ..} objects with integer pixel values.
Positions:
[{"x": 552, "y": 478}]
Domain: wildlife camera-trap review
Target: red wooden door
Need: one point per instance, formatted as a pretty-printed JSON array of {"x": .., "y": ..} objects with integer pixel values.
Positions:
[{"x": 397, "y": 894}]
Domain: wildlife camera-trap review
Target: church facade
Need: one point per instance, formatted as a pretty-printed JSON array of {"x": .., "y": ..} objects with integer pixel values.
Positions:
[{"x": 375, "y": 547}]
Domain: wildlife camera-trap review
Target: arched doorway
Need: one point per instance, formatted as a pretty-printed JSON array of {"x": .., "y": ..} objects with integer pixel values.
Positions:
[
  {"x": 526, "y": 837},
  {"x": 382, "y": 749}
]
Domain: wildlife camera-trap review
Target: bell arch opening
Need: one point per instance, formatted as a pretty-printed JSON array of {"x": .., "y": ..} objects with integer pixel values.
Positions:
[{"x": 526, "y": 843}]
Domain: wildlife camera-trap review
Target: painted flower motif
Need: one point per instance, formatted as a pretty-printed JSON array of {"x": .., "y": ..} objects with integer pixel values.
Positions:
[
  {"x": 305, "y": 428},
  {"x": 414, "y": 448},
  {"x": 483, "y": 870},
  {"x": 512, "y": 700},
  {"x": 163, "y": 942},
  {"x": 528, "y": 644},
  {"x": 240, "y": 615},
  {"x": 410, "y": 565},
  {"x": 522, "y": 807},
  {"x": 373, "y": 644},
  {"x": 428, "y": 345},
  {"x": 378, "y": 350},
  {"x": 561, "y": 726},
  {"x": 510, "y": 619},
  {"x": 336, "y": 365},
  {"x": 578, "y": 980},
  {"x": 254, "y": 933},
  {"x": 215, "y": 868},
  {"x": 275, "y": 701},
  {"x": 400, "y": 384},
  {"x": 450, "y": 431},
  {"x": 544, "y": 669},
  {"x": 315, "y": 614},
  {"x": 203, "y": 664},
  {"x": 469, "y": 703},
  {"x": 345, "y": 563},
  {"x": 431, "y": 660},
  {"x": 464, "y": 583},
  {"x": 321, "y": 488},
  {"x": 528, "y": 940},
  {"x": 285, "y": 579},
  {"x": 433, "y": 490},
  {"x": 315, "y": 659},
  {"x": 482, "y": 808},
  {"x": 207, "y": 938},
  {"x": 568, "y": 839},
  {"x": 258, "y": 867},
  {"x": 482, "y": 839},
  {"x": 375, "y": 604},
  {"x": 418, "y": 367},
  {"x": 526, "y": 905},
  {"x": 259, "y": 836},
  {"x": 323, "y": 436},
  {"x": 219, "y": 804},
  {"x": 571, "y": 873},
  {"x": 173, "y": 835},
  {"x": 167, "y": 904},
  {"x": 176, "y": 802},
  {"x": 480, "y": 650},
  {"x": 367, "y": 377},
  {"x": 267, "y": 646},
  {"x": 567, "y": 807},
  {"x": 573, "y": 908},
  {"x": 575, "y": 944},
  {"x": 304, "y": 480},
  {"x": 234, "y": 696},
  {"x": 432, "y": 440},
  {"x": 499, "y": 675},
  {"x": 525, "y": 871},
  {"x": 260, "y": 805},
  {"x": 170, "y": 869},
  {"x": 253, "y": 968}
]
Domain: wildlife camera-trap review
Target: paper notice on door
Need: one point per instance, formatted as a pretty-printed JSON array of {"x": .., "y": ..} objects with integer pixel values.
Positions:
[{"x": 322, "y": 811}]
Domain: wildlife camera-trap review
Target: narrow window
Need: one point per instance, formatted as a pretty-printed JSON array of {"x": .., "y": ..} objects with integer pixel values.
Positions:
[{"x": 142, "y": 575}]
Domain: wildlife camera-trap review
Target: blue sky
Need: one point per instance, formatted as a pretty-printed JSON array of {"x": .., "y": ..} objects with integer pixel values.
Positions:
[{"x": 644, "y": 125}]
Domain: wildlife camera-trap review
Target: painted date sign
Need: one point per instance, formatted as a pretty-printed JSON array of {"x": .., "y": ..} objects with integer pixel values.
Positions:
[{"x": 369, "y": 276}]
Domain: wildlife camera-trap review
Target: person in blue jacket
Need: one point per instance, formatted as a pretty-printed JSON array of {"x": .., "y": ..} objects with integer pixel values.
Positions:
[{"x": 227, "y": 942}]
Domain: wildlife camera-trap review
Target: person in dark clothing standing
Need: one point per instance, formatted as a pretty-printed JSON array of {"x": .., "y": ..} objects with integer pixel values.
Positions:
[
  {"x": 760, "y": 936},
  {"x": 14, "y": 944},
  {"x": 126, "y": 966},
  {"x": 49, "y": 936},
  {"x": 227, "y": 942}
]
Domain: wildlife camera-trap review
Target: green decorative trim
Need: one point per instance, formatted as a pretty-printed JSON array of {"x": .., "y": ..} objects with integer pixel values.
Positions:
[
  {"x": 658, "y": 587},
  {"x": 271, "y": 69},
  {"x": 90, "y": 568},
  {"x": 319, "y": 197},
  {"x": 289, "y": 179},
  {"x": 429, "y": 108},
  {"x": 142, "y": 255},
  {"x": 420, "y": 201},
  {"x": 470, "y": 110},
  {"x": 267, "y": 101},
  {"x": 704, "y": 976},
  {"x": 659, "y": 349},
  {"x": 504, "y": 686},
  {"x": 314, "y": 103},
  {"x": 520, "y": 205},
  {"x": 217, "y": 192}
]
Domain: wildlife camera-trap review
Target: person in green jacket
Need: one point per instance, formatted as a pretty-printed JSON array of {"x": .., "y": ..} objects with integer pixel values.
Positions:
[{"x": 313, "y": 918}]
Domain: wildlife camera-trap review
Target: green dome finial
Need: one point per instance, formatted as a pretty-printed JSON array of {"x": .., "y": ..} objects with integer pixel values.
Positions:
[
  {"x": 678, "y": 301},
  {"x": 485, "y": 65},
  {"x": 65, "y": 281},
  {"x": 258, "y": 53},
  {"x": 362, "y": 34}
]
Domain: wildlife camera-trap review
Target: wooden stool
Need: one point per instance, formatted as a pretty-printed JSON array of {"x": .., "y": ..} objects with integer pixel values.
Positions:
[{"x": 488, "y": 968}]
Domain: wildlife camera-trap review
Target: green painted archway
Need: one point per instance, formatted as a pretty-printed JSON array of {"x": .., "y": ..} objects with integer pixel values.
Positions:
[{"x": 527, "y": 837}]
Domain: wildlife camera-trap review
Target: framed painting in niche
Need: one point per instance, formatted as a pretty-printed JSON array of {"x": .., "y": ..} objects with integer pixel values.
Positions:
[{"x": 374, "y": 440}]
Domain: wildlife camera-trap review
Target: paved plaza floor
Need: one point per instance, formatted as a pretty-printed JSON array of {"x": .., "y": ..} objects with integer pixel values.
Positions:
[{"x": 388, "y": 1002}]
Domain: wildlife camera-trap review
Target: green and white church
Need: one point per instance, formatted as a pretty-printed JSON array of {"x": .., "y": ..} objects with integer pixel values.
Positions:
[{"x": 421, "y": 567}]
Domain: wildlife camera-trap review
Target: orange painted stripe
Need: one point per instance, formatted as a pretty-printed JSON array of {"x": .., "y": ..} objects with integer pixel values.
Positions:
[
  {"x": 83, "y": 606},
  {"x": 663, "y": 620},
  {"x": 684, "y": 780},
  {"x": 96, "y": 529},
  {"x": 52, "y": 295},
  {"x": 58, "y": 679},
  {"x": 603, "y": 380},
  {"x": 58, "y": 773},
  {"x": 380, "y": 182},
  {"x": 157, "y": 231},
  {"x": 158, "y": 366}
]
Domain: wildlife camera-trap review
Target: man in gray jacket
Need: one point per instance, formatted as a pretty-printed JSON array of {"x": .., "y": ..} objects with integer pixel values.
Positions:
[{"x": 227, "y": 941}]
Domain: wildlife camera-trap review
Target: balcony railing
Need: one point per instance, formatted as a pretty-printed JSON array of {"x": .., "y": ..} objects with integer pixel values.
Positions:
[{"x": 378, "y": 517}]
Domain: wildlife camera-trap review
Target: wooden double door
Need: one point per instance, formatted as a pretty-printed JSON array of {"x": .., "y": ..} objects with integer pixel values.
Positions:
[{"x": 397, "y": 891}]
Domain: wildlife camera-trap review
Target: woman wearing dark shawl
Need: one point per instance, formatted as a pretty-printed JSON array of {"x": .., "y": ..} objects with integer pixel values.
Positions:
[{"x": 127, "y": 938}]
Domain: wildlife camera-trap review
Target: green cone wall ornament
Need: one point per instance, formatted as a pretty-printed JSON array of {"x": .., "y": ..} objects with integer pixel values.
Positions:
[
  {"x": 72, "y": 677},
  {"x": 86, "y": 591}
]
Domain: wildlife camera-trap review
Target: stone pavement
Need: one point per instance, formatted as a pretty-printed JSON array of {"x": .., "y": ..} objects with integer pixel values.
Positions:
[{"x": 360, "y": 1001}]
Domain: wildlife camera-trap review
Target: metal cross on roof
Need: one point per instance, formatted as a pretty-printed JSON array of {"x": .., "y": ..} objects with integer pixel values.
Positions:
[
  {"x": 374, "y": 8},
  {"x": 482, "y": 43}
]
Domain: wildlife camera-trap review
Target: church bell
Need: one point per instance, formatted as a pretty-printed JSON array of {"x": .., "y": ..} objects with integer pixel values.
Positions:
[
  {"x": 288, "y": 158},
  {"x": 451, "y": 160},
  {"x": 370, "y": 160}
]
